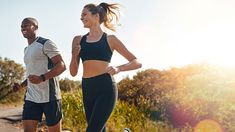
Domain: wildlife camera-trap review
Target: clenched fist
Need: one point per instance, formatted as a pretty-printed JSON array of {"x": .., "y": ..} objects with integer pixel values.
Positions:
[{"x": 16, "y": 87}]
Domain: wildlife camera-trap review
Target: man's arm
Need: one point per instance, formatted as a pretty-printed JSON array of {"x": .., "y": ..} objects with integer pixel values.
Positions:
[
  {"x": 18, "y": 86},
  {"x": 24, "y": 83},
  {"x": 58, "y": 68}
]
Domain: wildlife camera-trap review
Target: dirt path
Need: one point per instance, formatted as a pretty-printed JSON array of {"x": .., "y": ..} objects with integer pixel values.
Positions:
[{"x": 10, "y": 118}]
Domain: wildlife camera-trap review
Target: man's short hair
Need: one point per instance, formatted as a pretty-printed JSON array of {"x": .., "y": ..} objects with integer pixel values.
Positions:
[{"x": 31, "y": 20}]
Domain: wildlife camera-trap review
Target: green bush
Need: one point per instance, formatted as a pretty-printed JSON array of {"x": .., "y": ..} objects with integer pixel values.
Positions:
[
  {"x": 67, "y": 85},
  {"x": 10, "y": 73},
  {"x": 73, "y": 111},
  {"x": 123, "y": 116},
  {"x": 128, "y": 116},
  {"x": 183, "y": 96}
]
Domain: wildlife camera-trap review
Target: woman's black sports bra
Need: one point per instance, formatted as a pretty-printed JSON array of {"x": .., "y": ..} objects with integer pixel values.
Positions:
[{"x": 99, "y": 50}]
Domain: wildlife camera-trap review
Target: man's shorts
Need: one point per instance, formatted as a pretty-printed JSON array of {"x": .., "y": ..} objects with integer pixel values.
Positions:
[{"x": 52, "y": 111}]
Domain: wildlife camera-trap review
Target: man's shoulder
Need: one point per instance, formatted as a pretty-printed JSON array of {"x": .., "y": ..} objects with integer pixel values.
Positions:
[{"x": 42, "y": 40}]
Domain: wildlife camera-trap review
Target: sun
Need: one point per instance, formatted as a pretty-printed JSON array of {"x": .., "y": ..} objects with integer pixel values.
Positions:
[
  {"x": 223, "y": 56},
  {"x": 208, "y": 126}
]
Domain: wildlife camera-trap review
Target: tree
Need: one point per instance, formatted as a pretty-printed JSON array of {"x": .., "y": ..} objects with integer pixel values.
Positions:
[
  {"x": 10, "y": 72},
  {"x": 151, "y": 90},
  {"x": 67, "y": 85}
]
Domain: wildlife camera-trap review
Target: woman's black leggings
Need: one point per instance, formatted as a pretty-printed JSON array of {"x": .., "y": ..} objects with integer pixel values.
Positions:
[{"x": 99, "y": 98}]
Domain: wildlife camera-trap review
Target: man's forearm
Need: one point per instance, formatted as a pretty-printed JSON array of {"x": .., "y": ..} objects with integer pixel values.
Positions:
[
  {"x": 55, "y": 71},
  {"x": 24, "y": 83}
]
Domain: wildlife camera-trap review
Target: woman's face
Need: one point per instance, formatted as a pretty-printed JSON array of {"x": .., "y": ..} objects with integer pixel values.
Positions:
[{"x": 88, "y": 19}]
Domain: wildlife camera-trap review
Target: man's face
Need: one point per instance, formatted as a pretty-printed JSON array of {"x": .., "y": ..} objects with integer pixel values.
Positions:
[{"x": 28, "y": 29}]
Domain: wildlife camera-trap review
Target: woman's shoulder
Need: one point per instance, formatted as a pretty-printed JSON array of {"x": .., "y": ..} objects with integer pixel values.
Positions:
[
  {"x": 76, "y": 40},
  {"x": 111, "y": 37},
  {"x": 78, "y": 37}
]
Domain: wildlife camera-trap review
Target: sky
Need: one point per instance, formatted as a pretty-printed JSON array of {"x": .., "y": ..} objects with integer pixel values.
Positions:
[{"x": 160, "y": 33}]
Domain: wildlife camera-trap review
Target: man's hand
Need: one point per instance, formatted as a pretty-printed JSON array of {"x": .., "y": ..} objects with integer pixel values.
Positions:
[
  {"x": 16, "y": 87},
  {"x": 35, "y": 79}
]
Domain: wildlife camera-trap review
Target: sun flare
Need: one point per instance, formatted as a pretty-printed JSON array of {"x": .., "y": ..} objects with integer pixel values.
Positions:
[{"x": 208, "y": 126}]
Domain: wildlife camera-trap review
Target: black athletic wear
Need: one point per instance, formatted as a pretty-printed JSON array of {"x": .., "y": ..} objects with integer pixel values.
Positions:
[
  {"x": 99, "y": 50},
  {"x": 99, "y": 97}
]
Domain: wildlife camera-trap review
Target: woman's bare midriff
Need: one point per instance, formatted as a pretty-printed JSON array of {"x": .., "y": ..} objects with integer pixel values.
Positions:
[{"x": 93, "y": 68}]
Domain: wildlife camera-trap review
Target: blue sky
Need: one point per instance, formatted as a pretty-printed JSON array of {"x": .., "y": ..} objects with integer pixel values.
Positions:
[{"x": 161, "y": 33}]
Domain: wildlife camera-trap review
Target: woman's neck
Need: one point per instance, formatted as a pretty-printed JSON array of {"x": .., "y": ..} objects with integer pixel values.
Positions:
[{"x": 95, "y": 31}]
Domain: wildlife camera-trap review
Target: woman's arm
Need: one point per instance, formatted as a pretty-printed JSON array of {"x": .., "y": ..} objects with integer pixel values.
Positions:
[
  {"x": 117, "y": 45},
  {"x": 75, "y": 60}
]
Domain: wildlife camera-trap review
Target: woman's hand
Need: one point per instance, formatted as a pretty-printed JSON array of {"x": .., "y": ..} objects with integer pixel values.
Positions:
[
  {"x": 76, "y": 50},
  {"x": 112, "y": 70}
]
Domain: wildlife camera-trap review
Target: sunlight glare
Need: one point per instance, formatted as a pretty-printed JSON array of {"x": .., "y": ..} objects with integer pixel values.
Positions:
[{"x": 208, "y": 126}]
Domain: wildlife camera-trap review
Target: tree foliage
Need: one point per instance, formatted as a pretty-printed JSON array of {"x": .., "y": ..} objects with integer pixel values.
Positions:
[
  {"x": 151, "y": 90},
  {"x": 10, "y": 72},
  {"x": 67, "y": 85},
  {"x": 183, "y": 96}
]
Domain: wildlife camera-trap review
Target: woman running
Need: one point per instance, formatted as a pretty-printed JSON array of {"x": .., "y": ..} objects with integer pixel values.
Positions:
[{"x": 95, "y": 50}]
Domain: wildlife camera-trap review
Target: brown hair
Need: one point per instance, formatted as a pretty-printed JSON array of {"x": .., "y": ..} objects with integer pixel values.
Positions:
[{"x": 107, "y": 13}]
